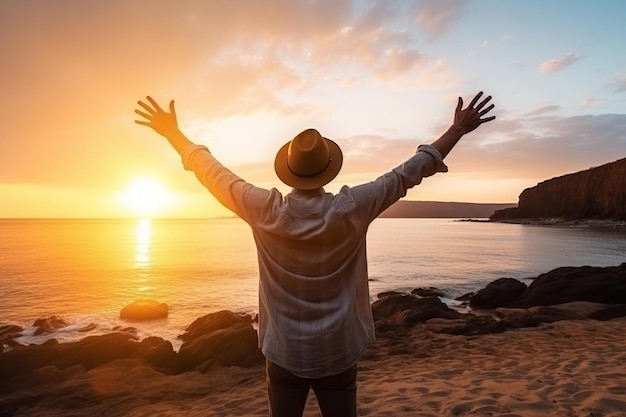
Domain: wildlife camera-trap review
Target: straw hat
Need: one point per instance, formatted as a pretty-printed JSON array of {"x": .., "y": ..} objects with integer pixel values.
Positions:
[{"x": 308, "y": 161}]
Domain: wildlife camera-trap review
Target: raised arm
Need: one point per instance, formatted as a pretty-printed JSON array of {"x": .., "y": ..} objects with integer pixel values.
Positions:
[
  {"x": 465, "y": 121},
  {"x": 163, "y": 123}
]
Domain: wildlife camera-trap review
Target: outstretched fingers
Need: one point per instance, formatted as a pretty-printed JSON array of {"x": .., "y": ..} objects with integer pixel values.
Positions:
[
  {"x": 146, "y": 107},
  {"x": 485, "y": 111},
  {"x": 149, "y": 117},
  {"x": 476, "y": 98},
  {"x": 154, "y": 104},
  {"x": 483, "y": 103}
]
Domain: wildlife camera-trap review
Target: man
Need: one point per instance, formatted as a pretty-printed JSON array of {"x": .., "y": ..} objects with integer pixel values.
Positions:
[{"x": 315, "y": 319}]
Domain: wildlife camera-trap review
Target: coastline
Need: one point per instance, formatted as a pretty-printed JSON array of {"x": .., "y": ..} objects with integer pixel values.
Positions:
[
  {"x": 557, "y": 369},
  {"x": 619, "y": 225},
  {"x": 522, "y": 358}
]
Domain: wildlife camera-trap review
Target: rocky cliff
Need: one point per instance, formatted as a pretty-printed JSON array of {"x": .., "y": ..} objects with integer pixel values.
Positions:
[{"x": 596, "y": 193}]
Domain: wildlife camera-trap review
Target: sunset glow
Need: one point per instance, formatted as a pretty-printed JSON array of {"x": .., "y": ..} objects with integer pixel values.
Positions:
[
  {"x": 146, "y": 197},
  {"x": 377, "y": 77}
]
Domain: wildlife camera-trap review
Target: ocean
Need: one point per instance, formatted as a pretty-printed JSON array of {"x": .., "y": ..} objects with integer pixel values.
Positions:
[{"x": 87, "y": 270}]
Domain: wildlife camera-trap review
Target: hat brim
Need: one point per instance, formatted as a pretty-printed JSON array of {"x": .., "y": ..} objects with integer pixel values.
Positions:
[{"x": 309, "y": 183}]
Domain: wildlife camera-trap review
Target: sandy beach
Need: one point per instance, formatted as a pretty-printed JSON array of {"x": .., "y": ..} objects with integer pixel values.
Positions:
[{"x": 567, "y": 368}]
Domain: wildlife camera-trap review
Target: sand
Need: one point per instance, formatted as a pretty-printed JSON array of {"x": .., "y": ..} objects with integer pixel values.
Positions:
[{"x": 568, "y": 368}]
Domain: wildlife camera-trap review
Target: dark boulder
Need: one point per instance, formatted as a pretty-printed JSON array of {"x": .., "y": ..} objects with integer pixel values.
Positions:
[
  {"x": 49, "y": 324},
  {"x": 389, "y": 293},
  {"x": 498, "y": 293},
  {"x": 428, "y": 292},
  {"x": 159, "y": 353},
  {"x": 468, "y": 325},
  {"x": 214, "y": 321},
  {"x": 219, "y": 339},
  {"x": 567, "y": 284},
  {"x": 144, "y": 310},
  {"x": 406, "y": 310},
  {"x": 89, "y": 352},
  {"x": 514, "y": 318},
  {"x": 8, "y": 333}
]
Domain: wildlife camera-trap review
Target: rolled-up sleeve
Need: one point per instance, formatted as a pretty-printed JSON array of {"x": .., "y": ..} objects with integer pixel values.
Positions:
[
  {"x": 229, "y": 189},
  {"x": 188, "y": 154},
  {"x": 438, "y": 159},
  {"x": 374, "y": 197}
]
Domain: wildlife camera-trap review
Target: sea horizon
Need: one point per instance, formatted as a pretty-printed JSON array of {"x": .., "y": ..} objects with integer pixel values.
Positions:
[{"x": 87, "y": 270}]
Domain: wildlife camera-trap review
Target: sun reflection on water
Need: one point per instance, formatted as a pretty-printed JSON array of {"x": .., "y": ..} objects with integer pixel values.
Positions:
[
  {"x": 144, "y": 234},
  {"x": 143, "y": 258}
]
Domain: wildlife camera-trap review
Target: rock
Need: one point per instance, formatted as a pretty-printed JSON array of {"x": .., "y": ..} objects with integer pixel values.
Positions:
[
  {"x": 498, "y": 293},
  {"x": 49, "y": 325},
  {"x": 468, "y": 325},
  {"x": 567, "y": 284},
  {"x": 388, "y": 294},
  {"x": 598, "y": 192},
  {"x": 214, "y": 321},
  {"x": 143, "y": 310},
  {"x": 87, "y": 328},
  {"x": 159, "y": 353},
  {"x": 465, "y": 297},
  {"x": 428, "y": 292},
  {"x": 90, "y": 352},
  {"x": 406, "y": 310},
  {"x": 512, "y": 318},
  {"x": 8, "y": 333},
  {"x": 93, "y": 351},
  {"x": 219, "y": 339}
]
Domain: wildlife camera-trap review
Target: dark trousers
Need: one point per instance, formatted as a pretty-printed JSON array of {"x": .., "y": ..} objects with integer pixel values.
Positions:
[{"x": 336, "y": 394}]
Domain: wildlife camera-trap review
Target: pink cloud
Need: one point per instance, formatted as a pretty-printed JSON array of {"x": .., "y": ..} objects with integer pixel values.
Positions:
[
  {"x": 557, "y": 64},
  {"x": 435, "y": 17},
  {"x": 591, "y": 102}
]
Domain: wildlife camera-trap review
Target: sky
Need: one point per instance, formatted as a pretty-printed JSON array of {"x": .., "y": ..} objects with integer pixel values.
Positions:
[{"x": 377, "y": 77}]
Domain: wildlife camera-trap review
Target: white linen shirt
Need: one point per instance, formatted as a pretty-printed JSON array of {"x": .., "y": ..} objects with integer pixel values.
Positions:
[{"x": 315, "y": 317}]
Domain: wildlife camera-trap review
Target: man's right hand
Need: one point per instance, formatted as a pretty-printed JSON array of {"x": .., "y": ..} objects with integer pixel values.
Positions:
[
  {"x": 162, "y": 122},
  {"x": 470, "y": 118}
]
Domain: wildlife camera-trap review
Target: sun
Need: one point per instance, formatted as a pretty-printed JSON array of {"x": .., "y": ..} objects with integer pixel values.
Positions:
[{"x": 146, "y": 197}]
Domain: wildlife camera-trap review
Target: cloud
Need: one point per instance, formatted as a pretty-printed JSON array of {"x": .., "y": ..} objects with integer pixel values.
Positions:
[
  {"x": 544, "y": 147},
  {"x": 619, "y": 82},
  {"x": 591, "y": 102},
  {"x": 435, "y": 17},
  {"x": 529, "y": 148},
  {"x": 542, "y": 110},
  {"x": 438, "y": 75},
  {"x": 399, "y": 62},
  {"x": 557, "y": 64}
]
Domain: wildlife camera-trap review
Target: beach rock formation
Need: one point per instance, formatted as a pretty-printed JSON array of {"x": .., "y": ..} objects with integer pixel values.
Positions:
[
  {"x": 406, "y": 310},
  {"x": 427, "y": 292},
  {"x": 598, "y": 192},
  {"x": 498, "y": 293},
  {"x": 226, "y": 339},
  {"x": 515, "y": 318},
  {"x": 219, "y": 339},
  {"x": 586, "y": 283},
  {"x": 49, "y": 324},
  {"x": 89, "y": 353},
  {"x": 8, "y": 334},
  {"x": 143, "y": 310}
]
